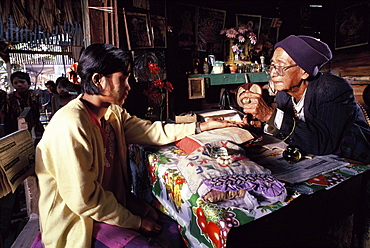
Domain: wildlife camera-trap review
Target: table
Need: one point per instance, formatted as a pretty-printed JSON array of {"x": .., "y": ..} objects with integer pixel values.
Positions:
[{"x": 303, "y": 219}]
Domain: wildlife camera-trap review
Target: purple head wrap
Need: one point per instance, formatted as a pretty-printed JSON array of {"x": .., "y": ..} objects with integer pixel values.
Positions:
[{"x": 307, "y": 52}]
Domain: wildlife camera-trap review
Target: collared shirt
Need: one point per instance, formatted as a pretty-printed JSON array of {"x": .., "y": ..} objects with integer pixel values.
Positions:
[
  {"x": 299, "y": 109},
  {"x": 299, "y": 106}
]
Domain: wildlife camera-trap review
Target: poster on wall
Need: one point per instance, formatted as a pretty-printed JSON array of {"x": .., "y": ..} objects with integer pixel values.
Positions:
[
  {"x": 144, "y": 4},
  {"x": 137, "y": 30},
  {"x": 159, "y": 31},
  {"x": 186, "y": 18},
  {"x": 210, "y": 23},
  {"x": 352, "y": 26},
  {"x": 251, "y": 21},
  {"x": 269, "y": 30},
  {"x": 269, "y": 33}
]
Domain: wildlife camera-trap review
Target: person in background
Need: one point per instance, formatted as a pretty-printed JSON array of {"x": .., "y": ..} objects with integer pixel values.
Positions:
[
  {"x": 85, "y": 197},
  {"x": 3, "y": 100},
  {"x": 316, "y": 112},
  {"x": 52, "y": 89},
  {"x": 66, "y": 91},
  {"x": 59, "y": 79},
  {"x": 19, "y": 99}
]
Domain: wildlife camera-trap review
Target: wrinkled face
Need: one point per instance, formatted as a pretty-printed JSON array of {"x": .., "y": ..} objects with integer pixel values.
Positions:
[
  {"x": 115, "y": 88},
  {"x": 291, "y": 77},
  {"x": 20, "y": 85}
]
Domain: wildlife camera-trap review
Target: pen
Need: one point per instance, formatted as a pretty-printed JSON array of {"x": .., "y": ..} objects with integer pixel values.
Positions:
[{"x": 238, "y": 111}]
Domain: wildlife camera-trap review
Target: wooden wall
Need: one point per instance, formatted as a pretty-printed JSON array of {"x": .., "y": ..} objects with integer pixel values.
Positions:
[{"x": 354, "y": 65}]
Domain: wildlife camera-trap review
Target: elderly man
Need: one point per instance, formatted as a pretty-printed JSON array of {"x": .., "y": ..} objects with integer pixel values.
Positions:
[{"x": 316, "y": 112}]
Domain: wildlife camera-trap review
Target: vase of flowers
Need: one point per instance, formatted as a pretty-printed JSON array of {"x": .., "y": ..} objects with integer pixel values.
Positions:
[
  {"x": 239, "y": 38},
  {"x": 158, "y": 89}
]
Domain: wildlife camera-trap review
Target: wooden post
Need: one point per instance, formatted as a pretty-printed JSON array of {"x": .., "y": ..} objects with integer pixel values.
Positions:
[{"x": 167, "y": 105}]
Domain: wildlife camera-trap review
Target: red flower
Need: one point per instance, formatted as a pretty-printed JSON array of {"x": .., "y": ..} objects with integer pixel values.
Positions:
[
  {"x": 157, "y": 86},
  {"x": 154, "y": 68},
  {"x": 169, "y": 86},
  {"x": 72, "y": 74},
  {"x": 158, "y": 83}
]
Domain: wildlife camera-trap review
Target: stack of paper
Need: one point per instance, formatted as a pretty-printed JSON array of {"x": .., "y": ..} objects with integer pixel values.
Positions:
[
  {"x": 269, "y": 154},
  {"x": 303, "y": 170}
]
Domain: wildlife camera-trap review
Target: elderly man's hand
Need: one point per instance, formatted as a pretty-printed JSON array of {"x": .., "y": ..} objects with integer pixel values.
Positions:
[{"x": 256, "y": 106}]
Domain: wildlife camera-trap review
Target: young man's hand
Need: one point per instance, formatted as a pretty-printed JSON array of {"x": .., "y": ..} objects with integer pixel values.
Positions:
[{"x": 149, "y": 226}]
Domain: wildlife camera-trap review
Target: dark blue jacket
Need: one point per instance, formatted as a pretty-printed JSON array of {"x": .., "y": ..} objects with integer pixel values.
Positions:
[{"x": 334, "y": 122}]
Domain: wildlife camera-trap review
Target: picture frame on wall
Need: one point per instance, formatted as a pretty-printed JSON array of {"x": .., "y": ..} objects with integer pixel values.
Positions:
[
  {"x": 209, "y": 24},
  {"x": 269, "y": 31},
  {"x": 138, "y": 33},
  {"x": 159, "y": 31},
  {"x": 352, "y": 26},
  {"x": 251, "y": 21},
  {"x": 142, "y": 58},
  {"x": 196, "y": 88},
  {"x": 186, "y": 20}
]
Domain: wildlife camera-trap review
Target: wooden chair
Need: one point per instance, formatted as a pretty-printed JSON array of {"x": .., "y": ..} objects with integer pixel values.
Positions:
[{"x": 32, "y": 228}]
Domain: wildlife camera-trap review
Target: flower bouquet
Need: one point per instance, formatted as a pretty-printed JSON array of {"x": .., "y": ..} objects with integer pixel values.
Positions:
[
  {"x": 158, "y": 89},
  {"x": 240, "y": 37}
]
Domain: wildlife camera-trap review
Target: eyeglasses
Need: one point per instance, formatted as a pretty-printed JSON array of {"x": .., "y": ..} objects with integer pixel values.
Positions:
[{"x": 279, "y": 70}]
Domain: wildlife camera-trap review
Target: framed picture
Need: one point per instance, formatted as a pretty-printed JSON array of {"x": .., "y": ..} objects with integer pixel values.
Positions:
[
  {"x": 196, "y": 88},
  {"x": 210, "y": 23},
  {"x": 186, "y": 21},
  {"x": 352, "y": 26},
  {"x": 144, "y": 4},
  {"x": 137, "y": 30},
  {"x": 269, "y": 30},
  {"x": 141, "y": 70},
  {"x": 159, "y": 31},
  {"x": 251, "y": 21}
]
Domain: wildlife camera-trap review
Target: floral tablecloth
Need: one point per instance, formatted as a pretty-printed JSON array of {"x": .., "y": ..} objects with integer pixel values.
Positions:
[{"x": 155, "y": 172}]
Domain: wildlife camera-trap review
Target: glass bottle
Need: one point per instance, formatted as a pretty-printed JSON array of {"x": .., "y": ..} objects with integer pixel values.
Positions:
[
  {"x": 263, "y": 66},
  {"x": 205, "y": 66},
  {"x": 255, "y": 67}
]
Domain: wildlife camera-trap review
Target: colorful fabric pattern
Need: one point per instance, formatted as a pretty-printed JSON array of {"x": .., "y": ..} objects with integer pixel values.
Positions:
[
  {"x": 265, "y": 184},
  {"x": 206, "y": 224},
  {"x": 199, "y": 165}
]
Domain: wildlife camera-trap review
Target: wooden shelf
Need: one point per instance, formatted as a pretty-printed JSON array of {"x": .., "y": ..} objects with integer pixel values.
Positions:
[{"x": 234, "y": 78}]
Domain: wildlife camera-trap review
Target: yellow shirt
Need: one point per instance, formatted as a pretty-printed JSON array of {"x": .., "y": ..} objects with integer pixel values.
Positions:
[{"x": 70, "y": 168}]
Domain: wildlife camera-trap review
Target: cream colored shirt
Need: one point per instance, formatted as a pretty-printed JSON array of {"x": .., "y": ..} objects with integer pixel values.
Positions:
[{"x": 70, "y": 168}]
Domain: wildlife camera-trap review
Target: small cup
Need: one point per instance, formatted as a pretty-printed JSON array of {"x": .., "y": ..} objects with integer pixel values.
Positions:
[{"x": 292, "y": 154}]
